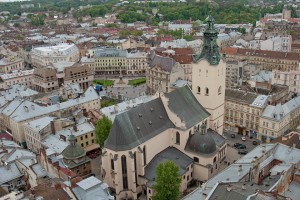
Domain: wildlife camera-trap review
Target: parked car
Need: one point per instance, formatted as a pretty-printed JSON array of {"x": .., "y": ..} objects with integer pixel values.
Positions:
[
  {"x": 254, "y": 142},
  {"x": 232, "y": 135},
  {"x": 243, "y": 151},
  {"x": 243, "y": 138},
  {"x": 236, "y": 145},
  {"x": 242, "y": 146},
  {"x": 239, "y": 146}
]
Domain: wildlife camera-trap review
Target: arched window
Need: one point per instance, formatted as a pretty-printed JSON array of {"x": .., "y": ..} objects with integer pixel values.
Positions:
[
  {"x": 124, "y": 172},
  {"x": 135, "y": 168},
  {"x": 219, "y": 90},
  {"x": 177, "y": 138},
  {"x": 144, "y": 155},
  {"x": 112, "y": 163},
  {"x": 198, "y": 90},
  {"x": 206, "y": 91}
]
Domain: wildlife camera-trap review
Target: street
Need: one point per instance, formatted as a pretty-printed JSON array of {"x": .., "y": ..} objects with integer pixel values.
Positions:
[{"x": 238, "y": 139}]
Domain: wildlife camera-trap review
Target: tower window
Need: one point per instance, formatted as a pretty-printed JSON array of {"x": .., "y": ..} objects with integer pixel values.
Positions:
[
  {"x": 124, "y": 172},
  {"x": 219, "y": 90},
  {"x": 198, "y": 90},
  {"x": 177, "y": 138},
  {"x": 206, "y": 91}
]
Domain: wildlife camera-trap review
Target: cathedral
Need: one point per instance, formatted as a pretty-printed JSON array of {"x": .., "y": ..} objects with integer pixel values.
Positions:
[{"x": 184, "y": 126}]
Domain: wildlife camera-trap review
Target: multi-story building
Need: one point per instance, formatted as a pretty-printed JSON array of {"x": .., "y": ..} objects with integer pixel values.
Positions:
[
  {"x": 278, "y": 120},
  {"x": 243, "y": 110},
  {"x": 61, "y": 73},
  {"x": 277, "y": 43},
  {"x": 186, "y": 28},
  {"x": 44, "y": 55},
  {"x": 110, "y": 61},
  {"x": 238, "y": 72},
  {"x": 291, "y": 79},
  {"x": 136, "y": 63},
  {"x": 11, "y": 63},
  {"x": 268, "y": 167},
  {"x": 19, "y": 111},
  {"x": 16, "y": 77},
  {"x": 38, "y": 130},
  {"x": 269, "y": 60},
  {"x": 180, "y": 55},
  {"x": 162, "y": 73}
]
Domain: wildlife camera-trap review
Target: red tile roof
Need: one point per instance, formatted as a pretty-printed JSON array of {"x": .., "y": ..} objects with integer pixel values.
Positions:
[{"x": 262, "y": 53}]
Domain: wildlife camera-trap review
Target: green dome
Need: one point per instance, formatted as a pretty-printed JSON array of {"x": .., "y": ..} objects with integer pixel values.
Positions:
[{"x": 73, "y": 152}]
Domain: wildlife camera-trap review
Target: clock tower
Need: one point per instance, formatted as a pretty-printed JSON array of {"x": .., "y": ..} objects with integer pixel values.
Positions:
[{"x": 208, "y": 77}]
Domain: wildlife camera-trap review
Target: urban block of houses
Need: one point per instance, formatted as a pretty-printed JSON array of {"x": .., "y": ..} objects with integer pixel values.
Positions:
[
  {"x": 269, "y": 171},
  {"x": 20, "y": 111}
]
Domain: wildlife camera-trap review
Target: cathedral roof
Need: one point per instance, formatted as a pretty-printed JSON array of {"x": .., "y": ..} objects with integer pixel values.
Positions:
[
  {"x": 138, "y": 125},
  {"x": 186, "y": 106},
  {"x": 147, "y": 120}
]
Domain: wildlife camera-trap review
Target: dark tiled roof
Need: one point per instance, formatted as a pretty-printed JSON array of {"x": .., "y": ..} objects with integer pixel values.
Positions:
[
  {"x": 186, "y": 106},
  {"x": 219, "y": 139},
  {"x": 165, "y": 63},
  {"x": 201, "y": 143},
  {"x": 293, "y": 141},
  {"x": 138, "y": 125},
  {"x": 240, "y": 96},
  {"x": 171, "y": 154}
]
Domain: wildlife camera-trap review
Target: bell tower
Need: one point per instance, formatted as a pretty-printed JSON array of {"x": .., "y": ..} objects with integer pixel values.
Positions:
[{"x": 208, "y": 77}]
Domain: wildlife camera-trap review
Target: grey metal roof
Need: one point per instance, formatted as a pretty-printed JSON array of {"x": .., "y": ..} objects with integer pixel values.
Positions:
[
  {"x": 138, "y": 125},
  {"x": 186, "y": 106},
  {"x": 92, "y": 188},
  {"x": 240, "y": 96},
  {"x": 110, "y": 52},
  {"x": 171, "y": 154},
  {"x": 9, "y": 173},
  {"x": 219, "y": 139},
  {"x": 165, "y": 63},
  {"x": 201, "y": 143}
]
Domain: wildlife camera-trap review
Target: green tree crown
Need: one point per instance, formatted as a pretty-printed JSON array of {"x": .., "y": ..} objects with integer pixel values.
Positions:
[{"x": 167, "y": 181}]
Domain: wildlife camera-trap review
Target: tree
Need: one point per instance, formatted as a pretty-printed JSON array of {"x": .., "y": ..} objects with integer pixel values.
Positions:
[
  {"x": 167, "y": 181},
  {"x": 16, "y": 24},
  {"x": 103, "y": 127}
]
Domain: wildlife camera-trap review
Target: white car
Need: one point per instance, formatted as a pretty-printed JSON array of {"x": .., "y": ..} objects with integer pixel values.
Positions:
[{"x": 244, "y": 138}]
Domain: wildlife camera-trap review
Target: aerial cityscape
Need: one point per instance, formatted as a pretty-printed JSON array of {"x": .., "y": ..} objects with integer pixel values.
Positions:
[{"x": 149, "y": 100}]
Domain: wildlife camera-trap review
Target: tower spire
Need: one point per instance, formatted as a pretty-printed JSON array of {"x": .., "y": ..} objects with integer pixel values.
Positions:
[{"x": 210, "y": 50}]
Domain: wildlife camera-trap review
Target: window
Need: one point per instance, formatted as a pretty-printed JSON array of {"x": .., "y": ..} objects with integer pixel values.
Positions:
[
  {"x": 198, "y": 90},
  {"x": 215, "y": 159},
  {"x": 135, "y": 168},
  {"x": 177, "y": 138},
  {"x": 206, "y": 91},
  {"x": 219, "y": 90},
  {"x": 144, "y": 155},
  {"x": 87, "y": 143},
  {"x": 92, "y": 134},
  {"x": 196, "y": 159},
  {"x": 124, "y": 172},
  {"x": 112, "y": 163},
  {"x": 86, "y": 136},
  {"x": 81, "y": 138}
]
